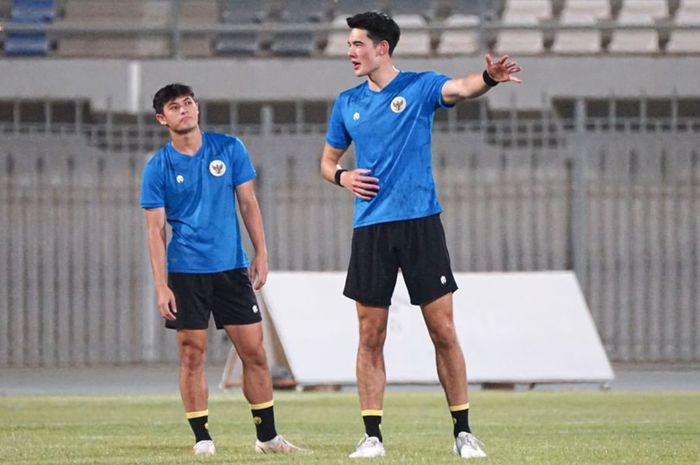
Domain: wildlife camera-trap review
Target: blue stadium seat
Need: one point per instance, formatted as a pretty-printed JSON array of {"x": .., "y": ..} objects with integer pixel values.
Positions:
[{"x": 21, "y": 43}]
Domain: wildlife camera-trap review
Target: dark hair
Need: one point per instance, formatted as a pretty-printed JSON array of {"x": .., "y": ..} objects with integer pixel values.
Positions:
[
  {"x": 168, "y": 93},
  {"x": 379, "y": 26}
]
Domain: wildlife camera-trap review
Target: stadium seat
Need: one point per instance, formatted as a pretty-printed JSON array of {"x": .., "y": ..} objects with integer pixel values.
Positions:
[
  {"x": 198, "y": 13},
  {"x": 240, "y": 13},
  {"x": 469, "y": 7},
  {"x": 657, "y": 9},
  {"x": 412, "y": 42},
  {"x": 577, "y": 41},
  {"x": 540, "y": 9},
  {"x": 686, "y": 40},
  {"x": 101, "y": 13},
  {"x": 411, "y": 7},
  {"x": 520, "y": 41},
  {"x": 338, "y": 40},
  {"x": 35, "y": 12},
  {"x": 460, "y": 41},
  {"x": 298, "y": 43},
  {"x": 350, "y": 7},
  {"x": 599, "y": 9},
  {"x": 631, "y": 40}
]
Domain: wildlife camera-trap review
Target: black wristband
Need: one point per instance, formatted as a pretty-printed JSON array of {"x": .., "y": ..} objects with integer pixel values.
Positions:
[
  {"x": 338, "y": 172},
  {"x": 488, "y": 80}
]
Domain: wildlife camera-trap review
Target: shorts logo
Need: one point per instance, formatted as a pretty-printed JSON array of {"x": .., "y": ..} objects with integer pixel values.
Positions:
[
  {"x": 398, "y": 104},
  {"x": 443, "y": 280},
  {"x": 180, "y": 179},
  {"x": 217, "y": 168},
  {"x": 255, "y": 309},
  {"x": 356, "y": 116}
]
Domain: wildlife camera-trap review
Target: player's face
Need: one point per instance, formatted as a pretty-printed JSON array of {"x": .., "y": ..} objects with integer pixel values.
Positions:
[
  {"x": 363, "y": 53},
  {"x": 180, "y": 115}
]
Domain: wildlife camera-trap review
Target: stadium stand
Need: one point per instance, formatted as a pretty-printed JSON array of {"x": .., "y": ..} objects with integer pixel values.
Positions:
[
  {"x": 520, "y": 41},
  {"x": 414, "y": 42},
  {"x": 686, "y": 40},
  {"x": 460, "y": 41},
  {"x": 586, "y": 41},
  {"x": 635, "y": 40},
  {"x": 129, "y": 17},
  {"x": 599, "y": 9},
  {"x": 298, "y": 43},
  {"x": 540, "y": 9},
  {"x": 241, "y": 13},
  {"x": 657, "y": 9},
  {"x": 34, "y": 12},
  {"x": 297, "y": 28},
  {"x": 337, "y": 42},
  {"x": 198, "y": 14}
]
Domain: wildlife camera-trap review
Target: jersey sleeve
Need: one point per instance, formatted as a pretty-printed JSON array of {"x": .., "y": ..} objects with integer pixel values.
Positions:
[
  {"x": 433, "y": 85},
  {"x": 152, "y": 185},
  {"x": 337, "y": 135},
  {"x": 243, "y": 169}
]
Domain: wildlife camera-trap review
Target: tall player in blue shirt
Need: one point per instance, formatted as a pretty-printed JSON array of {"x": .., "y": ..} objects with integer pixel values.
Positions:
[
  {"x": 193, "y": 183},
  {"x": 389, "y": 118}
]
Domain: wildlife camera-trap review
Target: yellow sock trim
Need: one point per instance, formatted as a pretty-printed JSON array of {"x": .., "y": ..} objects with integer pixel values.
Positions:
[
  {"x": 457, "y": 408},
  {"x": 262, "y": 406},
  {"x": 375, "y": 413},
  {"x": 201, "y": 413}
]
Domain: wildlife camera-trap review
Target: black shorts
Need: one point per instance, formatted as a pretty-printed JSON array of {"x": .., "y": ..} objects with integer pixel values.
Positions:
[
  {"x": 417, "y": 247},
  {"x": 228, "y": 295}
]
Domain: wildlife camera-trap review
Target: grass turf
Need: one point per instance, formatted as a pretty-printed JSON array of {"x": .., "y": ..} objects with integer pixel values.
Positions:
[{"x": 557, "y": 428}]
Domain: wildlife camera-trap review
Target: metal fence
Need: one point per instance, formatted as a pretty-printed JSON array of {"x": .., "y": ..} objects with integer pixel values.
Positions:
[{"x": 620, "y": 207}]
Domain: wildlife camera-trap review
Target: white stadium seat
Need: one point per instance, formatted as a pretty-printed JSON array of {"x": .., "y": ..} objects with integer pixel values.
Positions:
[
  {"x": 631, "y": 40},
  {"x": 412, "y": 42},
  {"x": 460, "y": 42},
  {"x": 577, "y": 41}
]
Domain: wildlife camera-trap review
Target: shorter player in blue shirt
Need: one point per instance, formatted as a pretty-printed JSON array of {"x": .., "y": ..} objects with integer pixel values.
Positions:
[
  {"x": 193, "y": 183},
  {"x": 397, "y": 225}
]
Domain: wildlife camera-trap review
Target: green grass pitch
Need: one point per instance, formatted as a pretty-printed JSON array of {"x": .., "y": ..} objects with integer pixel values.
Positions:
[{"x": 557, "y": 428}]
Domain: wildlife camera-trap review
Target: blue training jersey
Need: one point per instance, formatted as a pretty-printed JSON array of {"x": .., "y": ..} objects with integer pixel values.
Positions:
[
  {"x": 199, "y": 197},
  {"x": 391, "y": 130}
]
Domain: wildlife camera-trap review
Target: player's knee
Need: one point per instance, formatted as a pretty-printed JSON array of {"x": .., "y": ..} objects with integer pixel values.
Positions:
[
  {"x": 192, "y": 355},
  {"x": 256, "y": 357},
  {"x": 444, "y": 338}
]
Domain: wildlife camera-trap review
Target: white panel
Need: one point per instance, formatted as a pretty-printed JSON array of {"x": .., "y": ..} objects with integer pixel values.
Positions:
[{"x": 514, "y": 327}]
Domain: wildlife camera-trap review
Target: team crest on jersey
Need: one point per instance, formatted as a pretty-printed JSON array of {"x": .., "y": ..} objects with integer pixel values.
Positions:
[
  {"x": 356, "y": 116},
  {"x": 180, "y": 179},
  {"x": 398, "y": 104},
  {"x": 217, "y": 168}
]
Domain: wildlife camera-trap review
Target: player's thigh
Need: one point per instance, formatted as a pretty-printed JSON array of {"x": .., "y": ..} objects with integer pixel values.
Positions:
[
  {"x": 373, "y": 267},
  {"x": 425, "y": 260},
  {"x": 234, "y": 301},
  {"x": 193, "y": 300}
]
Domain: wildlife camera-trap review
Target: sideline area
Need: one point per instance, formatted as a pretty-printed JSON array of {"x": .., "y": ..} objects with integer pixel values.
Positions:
[{"x": 162, "y": 379}]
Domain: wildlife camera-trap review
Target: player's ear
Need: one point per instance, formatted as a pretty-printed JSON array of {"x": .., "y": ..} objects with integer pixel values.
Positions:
[{"x": 161, "y": 119}]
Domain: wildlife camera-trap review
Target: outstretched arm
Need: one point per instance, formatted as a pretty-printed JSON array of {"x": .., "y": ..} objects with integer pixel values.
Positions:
[
  {"x": 356, "y": 181},
  {"x": 473, "y": 85},
  {"x": 250, "y": 212}
]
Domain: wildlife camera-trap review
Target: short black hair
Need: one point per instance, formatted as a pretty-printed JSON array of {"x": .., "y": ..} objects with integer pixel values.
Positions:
[
  {"x": 168, "y": 93},
  {"x": 379, "y": 26}
]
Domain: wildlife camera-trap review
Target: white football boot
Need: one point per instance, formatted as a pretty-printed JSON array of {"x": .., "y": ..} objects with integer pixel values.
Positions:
[
  {"x": 468, "y": 446},
  {"x": 204, "y": 448},
  {"x": 368, "y": 447}
]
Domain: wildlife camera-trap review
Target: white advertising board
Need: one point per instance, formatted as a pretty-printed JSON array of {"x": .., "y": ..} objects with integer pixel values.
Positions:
[{"x": 513, "y": 328}]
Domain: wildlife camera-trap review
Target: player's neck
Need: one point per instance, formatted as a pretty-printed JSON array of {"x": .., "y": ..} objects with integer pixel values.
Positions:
[
  {"x": 381, "y": 77},
  {"x": 187, "y": 143}
]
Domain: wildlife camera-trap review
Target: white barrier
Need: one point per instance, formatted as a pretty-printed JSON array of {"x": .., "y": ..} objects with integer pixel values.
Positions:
[{"x": 513, "y": 327}]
